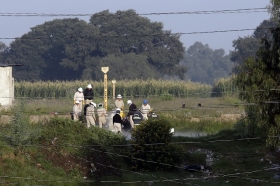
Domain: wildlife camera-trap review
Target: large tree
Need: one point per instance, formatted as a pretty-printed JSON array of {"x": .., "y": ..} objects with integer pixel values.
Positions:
[
  {"x": 69, "y": 49},
  {"x": 49, "y": 50},
  {"x": 206, "y": 65},
  {"x": 126, "y": 32},
  {"x": 259, "y": 83},
  {"x": 246, "y": 47}
]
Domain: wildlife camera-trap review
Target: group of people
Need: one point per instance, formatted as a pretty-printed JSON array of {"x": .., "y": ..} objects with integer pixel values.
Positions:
[
  {"x": 86, "y": 98},
  {"x": 119, "y": 105}
]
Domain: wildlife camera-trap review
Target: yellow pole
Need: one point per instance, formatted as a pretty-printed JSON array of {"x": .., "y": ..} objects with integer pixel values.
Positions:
[
  {"x": 105, "y": 70},
  {"x": 114, "y": 89}
]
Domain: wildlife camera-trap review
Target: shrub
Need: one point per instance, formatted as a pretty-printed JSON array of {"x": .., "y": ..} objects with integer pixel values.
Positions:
[
  {"x": 21, "y": 132},
  {"x": 151, "y": 149}
]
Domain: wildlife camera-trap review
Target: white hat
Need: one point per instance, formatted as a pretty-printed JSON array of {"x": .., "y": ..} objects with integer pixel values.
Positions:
[
  {"x": 92, "y": 103},
  {"x": 119, "y": 96},
  {"x": 80, "y": 89},
  {"x": 89, "y": 86},
  {"x": 129, "y": 102},
  {"x": 77, "y": 102}
]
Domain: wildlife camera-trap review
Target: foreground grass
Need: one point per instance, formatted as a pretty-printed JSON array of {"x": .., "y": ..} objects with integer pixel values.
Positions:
[{"x": 61, "y": 157}]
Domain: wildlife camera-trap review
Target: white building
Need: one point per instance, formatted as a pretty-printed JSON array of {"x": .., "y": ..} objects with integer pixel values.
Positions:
[{"x": 6, "y": 85}]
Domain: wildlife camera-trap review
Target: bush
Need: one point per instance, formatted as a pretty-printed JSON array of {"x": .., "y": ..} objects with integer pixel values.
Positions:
[
  {"x": 21, "y": 132},
  {"x": 151, "y": 149}
]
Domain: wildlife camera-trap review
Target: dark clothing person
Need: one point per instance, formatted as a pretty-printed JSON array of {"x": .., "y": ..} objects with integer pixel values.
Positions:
[
  {"x": 88, "y": 94},
  {"x": 85, "y": 109},
  {"x": 132, "y": 109},
  {"x": 117, "y": 119}
]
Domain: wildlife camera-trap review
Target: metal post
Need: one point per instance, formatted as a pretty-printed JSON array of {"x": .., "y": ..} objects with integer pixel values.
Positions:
[
  {"x": 105, "y": 70},
  {"x": 114, "y": 88}
]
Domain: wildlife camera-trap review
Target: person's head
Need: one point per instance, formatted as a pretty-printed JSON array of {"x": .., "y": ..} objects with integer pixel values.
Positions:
[
  {"x": 100, "y": 105},
  {"x": 89, "y": 86},
  {"x": 118, "y": 111},
  {"x": 129, "y": 102},
  {"x": 119, "y": 97},
  {"x": 77, "y": 102},
  {"x": 93, "y": 104},
  {"x": 145, "y": 102},
  {"x": 80, "y": 89}
]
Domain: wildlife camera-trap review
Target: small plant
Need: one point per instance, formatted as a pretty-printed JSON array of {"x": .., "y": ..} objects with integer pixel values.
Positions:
[
  {"x": 166, "y": 97},
  {"x": 21, "y": 131},
  {"x": 153, "y": 150}
]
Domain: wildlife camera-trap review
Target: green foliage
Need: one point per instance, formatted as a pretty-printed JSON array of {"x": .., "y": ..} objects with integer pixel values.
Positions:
[
  {"x": 93, "y": 145},
  {"x": 258, "y": 80},
  {"x": 166, "y": 97},
  {"x": 70, "y": 49},
  {"x": 133, "y": 88},
  {"x": 224, "y": 87},
  {"x": 205, "y": 65},
  {"x": 160, "y": 155},
  {"x": 247, "y": 47},
  {"x": 21, "y": 132},
  {"x": 250, "y": 125}
]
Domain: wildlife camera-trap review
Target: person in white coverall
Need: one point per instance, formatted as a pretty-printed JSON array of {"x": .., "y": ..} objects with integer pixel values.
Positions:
[
  {"x": 101, "y": 112},
  {"x": 90, "y": 115},
  {"x": 76, "y": 111},
  {"x": 145, "y": 109},
  {"x": 79, "y": 96}
]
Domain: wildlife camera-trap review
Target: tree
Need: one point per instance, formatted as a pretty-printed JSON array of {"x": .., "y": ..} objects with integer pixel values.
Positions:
[
  {"x": 248, "y": 46},
  {"x": 49, "y": 50},
  {"x": 3, "y": 51},
  {"x": 259, "y": 82},
  {"x": 205, "y": 64},
  {"x": 274, "y": 9},
  {"x": 126, "y": 32},
  {"x": 69, "y": 49}
]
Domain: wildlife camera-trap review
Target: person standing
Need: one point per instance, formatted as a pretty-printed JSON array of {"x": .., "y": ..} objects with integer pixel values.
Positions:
[
  {"x": 101, "y": 112},
  {"x": 117, "y": 122},
  {"x": 145, "y": 109},
  {"x": 76, "y": 111},
  {"x": 88, "y": 94},
  {"x": 119, "y": 104},
  {"x": 131, "y": 111},
  {"x": 79, "y": 96},
  {"x": 90, "y": 116}
]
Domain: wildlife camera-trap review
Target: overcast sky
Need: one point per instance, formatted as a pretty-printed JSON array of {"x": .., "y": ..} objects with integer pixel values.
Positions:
[{"x": 13, "y": 26}]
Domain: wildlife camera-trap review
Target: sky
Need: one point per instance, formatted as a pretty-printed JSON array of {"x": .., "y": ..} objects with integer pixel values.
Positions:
[{"x": 16, "y": 26}]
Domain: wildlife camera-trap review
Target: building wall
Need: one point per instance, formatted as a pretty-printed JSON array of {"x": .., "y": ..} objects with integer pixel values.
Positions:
[{"x": 6, "y": 86}]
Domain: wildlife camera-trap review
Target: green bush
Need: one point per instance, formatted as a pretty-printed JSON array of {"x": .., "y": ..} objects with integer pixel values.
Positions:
[
  {"x": 20, "y": 132},
  {"x": 251, "y": 125},
  {"x": 151, "y": 149}
]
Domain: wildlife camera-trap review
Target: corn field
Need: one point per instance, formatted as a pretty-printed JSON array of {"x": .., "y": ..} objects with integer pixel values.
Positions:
[
  {"x": 224, "y": 87},
  {"x": 131, "y": 88}
]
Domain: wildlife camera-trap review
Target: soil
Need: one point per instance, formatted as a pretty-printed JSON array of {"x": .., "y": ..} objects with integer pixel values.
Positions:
[{"x": 86, "y": 166}]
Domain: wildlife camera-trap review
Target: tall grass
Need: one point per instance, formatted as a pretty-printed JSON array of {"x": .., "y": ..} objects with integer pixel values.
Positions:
[
  {"x": 129, "y": 88},
  {"x": 224, "y": 87}
]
